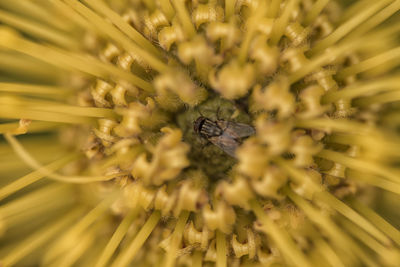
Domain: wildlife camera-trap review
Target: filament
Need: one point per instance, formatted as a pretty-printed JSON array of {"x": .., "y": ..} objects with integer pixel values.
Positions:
[
  {"x": 316, "y": 9},
  {"x": 352, "y": 215},
  {"x": 39, "y": 30},
  {"x": 31, "y": 178},
  {"x": 123, "y": 26},
  {"x": 197, "y": 259},
  {"x": 329, "y": 253},
  {"x": 23, "y": 66},
  {"x": 298, "y": 175},
  {"x": 348, "y": 26},
  {"x": 360, "y": 165},
  {"x": 221, "y": 250},
  {"x": 388, "y": 56},
  {"x": 384, "y": 98},
  {"x": 343, "y": 241},
  {"x": 184, "y": 18},
  {"x": 281, "y": 23},
  {"x": 128, "y": 254},
  {"x": 35, "y": 200},
  {"x": 283, "y": 241},
  {"x": 67, "y": 240},
  {"x": 27, "y": 105},
  {"x": 31, "y": 162},
  {"x": 229, "y": 9},
  {"x": 377, "y": 19},
  {"x": 363, "y": 89},
  {"x": 377, "y": 220},
  {"x": 274, "y": 8},
  {"x": 117, "y": 237},
  {"x": 167, "y": 9},
  {"x": 12, "y": 112},
  {"x": 369, "y": 241},
  {"x": 39, "y": 238},
  {"x": 70, "y": 256},
  {"x": 34, "y": 127},
  {"x": 251, "y": 28},
  {"x": 323, "y": 59},
  {"x": 40, "y": 12},
  {"x": 176, "y": 239},
  {"x": 72, "y": 15},
  {"x": 68, "y": 60},
  {"x": 116, "y": 35},
  {"x": 338, "y": 125},
  {"x": 35, "y": 90}
]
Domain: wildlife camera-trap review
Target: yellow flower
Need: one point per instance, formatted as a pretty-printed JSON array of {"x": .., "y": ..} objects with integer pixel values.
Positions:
[{"x": 108, "y": 158}]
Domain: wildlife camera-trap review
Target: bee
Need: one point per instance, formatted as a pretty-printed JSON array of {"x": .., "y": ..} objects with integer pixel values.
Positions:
[{"x": 227, "y": 135}]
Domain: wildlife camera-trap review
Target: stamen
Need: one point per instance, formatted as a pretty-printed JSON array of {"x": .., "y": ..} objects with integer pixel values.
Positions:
[
  {"x": 31, "y": 162},
  {"x": 70, "y": 256},
  {"x": 31, "y": 178},
  {"x": 34, "y": 200},
  {"x": 354, "y": 9},
  {"x": 329, "y": 253},
  {"x": 377, "y": 19},
  {"x": 281, "y": 238},
  {"x": 229, "y": 9},
  {"x": 281, "y": 23},
  {"x": 68, "y": 239},
  {"x": 72, "y": 15},
  {"x": 26, "y": 67},
  {"x": 176, "y": 239},
  {"x": 12, "y": 112},
  {"x": 386, "y": 32},
  {"x": 251, "y": 24},
  {"x": 167, "y": 9},
  {"x": 377, "y": 220},
  {"x": 118, "y": 36},
  {"x": 197, "y": 259},
  {"x": 40, "y": 31},
  {"x": 343, "y": 242},
  {"x": 338, "y": 125},
  {"x": 346, "y": 211},
  {"x": 39, "y": 238},
  {"x": 387, "y": 145},
  {"x": 221, "y": 250},
  {"x": 314, "y": 12},
  {"x": 325, "y": 58},
  {"x": 131, "y": 32},
  {"x": 129, "y": 253},
  {"x": 348, "y": 26},
  {"x": 117, "y": 237},
  {"x": 35, "y": 90},
  {"x": 39, "y": 12},
  {"x": 384, "y": 253},
  {"x": 388, "y": 97},
  {"x": 299, "y": 176},
  {"x": 373, "y": 62},
  {"x": 184, "y": 18},
  {"x": 361, "y": 165},
  {"x": 67, "y": 59},
  {"x": 374, "y": 180},
  {"x": 27, "y": 104},
  {"x": 363, "y": 88},
  {"x": 15, "y": 128},
  {"x": 274, "y": 8}
]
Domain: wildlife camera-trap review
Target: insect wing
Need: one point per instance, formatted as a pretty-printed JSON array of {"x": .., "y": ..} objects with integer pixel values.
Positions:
[
  {"x": 226, "y": 143},
  {"x": 235, "y": 129}
]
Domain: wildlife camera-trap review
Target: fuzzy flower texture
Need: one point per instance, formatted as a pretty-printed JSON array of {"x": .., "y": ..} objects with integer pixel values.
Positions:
[{"x": 101, "y": 165}]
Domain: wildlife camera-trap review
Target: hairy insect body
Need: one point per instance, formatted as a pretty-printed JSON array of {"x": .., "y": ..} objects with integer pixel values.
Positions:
[{"x": 226, "y": 135}]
